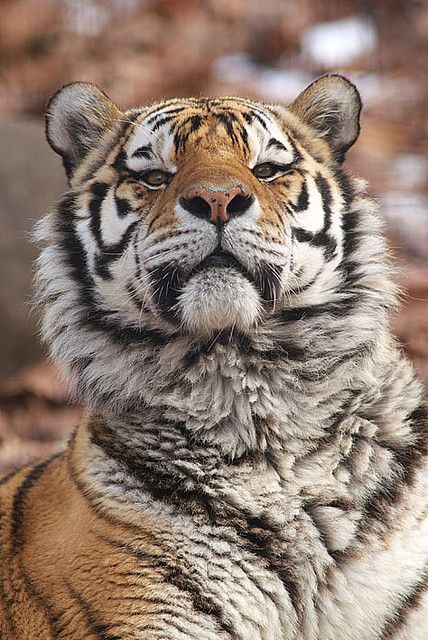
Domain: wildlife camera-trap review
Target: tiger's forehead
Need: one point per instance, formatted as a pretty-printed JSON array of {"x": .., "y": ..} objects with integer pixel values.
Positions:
[{"x": 170, "y": 128}]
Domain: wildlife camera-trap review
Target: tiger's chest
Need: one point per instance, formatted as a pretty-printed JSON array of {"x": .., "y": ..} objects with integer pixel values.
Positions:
[
  {"x": 141, "y": 569},
  {"x": 250, "y": 568}
]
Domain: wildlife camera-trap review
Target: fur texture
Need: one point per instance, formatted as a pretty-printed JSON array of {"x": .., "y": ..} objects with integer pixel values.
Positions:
[{"x": 252, "y": 463}]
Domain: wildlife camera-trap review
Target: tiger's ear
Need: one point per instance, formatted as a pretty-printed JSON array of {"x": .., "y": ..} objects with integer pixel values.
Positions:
[
  {"x": 76, "y": 118},
  {"x": 331, "y": 106}
]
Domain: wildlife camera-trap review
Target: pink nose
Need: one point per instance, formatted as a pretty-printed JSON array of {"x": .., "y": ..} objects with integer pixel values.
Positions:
[{"x": 217, "y": 201}]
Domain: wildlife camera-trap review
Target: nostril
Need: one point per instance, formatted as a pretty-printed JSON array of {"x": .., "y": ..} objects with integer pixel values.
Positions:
[
  {"x": 239, "y": 204},
  {"x": 196, "y": 206}
]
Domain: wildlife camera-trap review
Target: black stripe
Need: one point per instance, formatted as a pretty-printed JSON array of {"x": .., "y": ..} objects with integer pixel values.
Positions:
[
  {"x": 99, "y": 191},
  {"x": 8, "y": 622},
  {"x": 409, "y": 603},
  {"x": 328, "y": 244},
  {"x": 123, "y": 334},
  {"x": 268, "y": 279},
  {"x": 91, "y": 316},
  {"x": 19, "y": 500},
  {"x": 99, "y": 629},
  {"x": 9, "y": 476},
  {"x": 254, "y": 111},
  {"x": 273, "y": 142},
  {"x": 226, "y": 119},
  {"x": 319, "y": 239},
  {"x": 408, "y": 458},
  {"x": 244, "y": 136},
  {"x": 249, "y": 117},
  {"x": 159, "y": 123},
  {"x": 143, "y": 152},
  {"x": 163, "y": 111},
  {"x": 302, "y": 235},
  {"x": 180, "y": 139},
  {"x": 335, "y": 310},
  {"x": 351, "y": 244},
  {"x": 195, "y": 123},
  {"x": 166, "y": 282},
  {"x": 119, "y": 163},
  {"x": 325, "y": 191},
  {"x": 74, "y": 249},
  {"x": 174, "y": 575},
  {"x": 348, "y": 191},
  {"x": 123, "y": 207},
  {"x": 303, "y": 199},
  {"x": 43, "y": 602},
  {"x": 282, "y": 350},
  {"x": 258, "y": 534},
  {"x": 111, "y": 252}
]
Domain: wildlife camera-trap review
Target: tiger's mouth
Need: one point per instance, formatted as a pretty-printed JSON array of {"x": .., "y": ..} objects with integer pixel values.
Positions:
[
  {"x": 217, "y": 292},
  {"x": 220, "y": 258}
]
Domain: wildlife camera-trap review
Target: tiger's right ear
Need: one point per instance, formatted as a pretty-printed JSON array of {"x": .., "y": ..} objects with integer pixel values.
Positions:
[{"x": 76, "y": 118}]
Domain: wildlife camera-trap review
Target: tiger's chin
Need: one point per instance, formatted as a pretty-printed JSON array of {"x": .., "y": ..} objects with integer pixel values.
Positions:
[{"x": 217, "y": 299}]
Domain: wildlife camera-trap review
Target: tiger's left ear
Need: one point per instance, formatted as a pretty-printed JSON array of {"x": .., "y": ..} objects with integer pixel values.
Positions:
[
  {"x": 331, "y": 106},
  {"x": 77, "y": 116}
]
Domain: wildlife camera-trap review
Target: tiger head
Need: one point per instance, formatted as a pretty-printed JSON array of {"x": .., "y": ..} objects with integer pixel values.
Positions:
[
  {"x": 190, "y": 221},
  {"x": 203, "y": 214}
]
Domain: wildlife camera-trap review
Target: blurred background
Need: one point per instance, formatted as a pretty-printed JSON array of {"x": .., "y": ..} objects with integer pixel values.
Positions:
[{"x": 139, "y": 50}]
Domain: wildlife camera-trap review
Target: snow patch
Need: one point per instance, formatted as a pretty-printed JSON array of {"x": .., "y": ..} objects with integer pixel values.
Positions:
[
  {"x": 274, "y": 84},
  {"x": 333, "y": 44},
  {"x": 411, "y": 169}
]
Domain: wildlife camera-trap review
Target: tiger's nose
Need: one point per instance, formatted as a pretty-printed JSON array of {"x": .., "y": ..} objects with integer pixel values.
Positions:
[{"x": 217, "y": 205}]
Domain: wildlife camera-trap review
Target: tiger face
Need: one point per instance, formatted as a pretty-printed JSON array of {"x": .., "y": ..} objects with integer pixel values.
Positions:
[{"x": 203, "y": 215}]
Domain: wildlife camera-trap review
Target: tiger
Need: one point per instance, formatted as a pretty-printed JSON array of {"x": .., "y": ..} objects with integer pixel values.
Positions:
[{"x": 252, "y": 457}]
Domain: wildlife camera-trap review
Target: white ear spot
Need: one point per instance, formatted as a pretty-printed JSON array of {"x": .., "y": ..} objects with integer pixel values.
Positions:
[{"x": 218, "y": 299}]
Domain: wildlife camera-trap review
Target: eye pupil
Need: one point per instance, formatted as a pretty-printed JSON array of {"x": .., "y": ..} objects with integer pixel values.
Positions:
[
  {"x": 155, "y": 178},
  {"x": 265, "y": 170}
]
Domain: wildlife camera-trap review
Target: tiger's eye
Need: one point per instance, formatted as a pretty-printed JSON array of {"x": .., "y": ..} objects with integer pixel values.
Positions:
[
  {"x": 265, "y": 170},
  {"x": 155, "y": 178}
]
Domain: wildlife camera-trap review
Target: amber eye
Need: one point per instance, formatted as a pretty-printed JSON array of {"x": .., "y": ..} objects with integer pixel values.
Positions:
[
  {"x": 267, "y": 170},
  {"x": 155, "y": 178}
]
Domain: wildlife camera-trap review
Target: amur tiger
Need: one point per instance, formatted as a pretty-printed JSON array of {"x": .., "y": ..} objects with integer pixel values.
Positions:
[{"x": 252, "y": 464}]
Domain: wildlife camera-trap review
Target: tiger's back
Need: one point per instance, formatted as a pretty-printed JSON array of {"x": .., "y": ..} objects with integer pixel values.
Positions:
[{"x": 253, "y": 460}]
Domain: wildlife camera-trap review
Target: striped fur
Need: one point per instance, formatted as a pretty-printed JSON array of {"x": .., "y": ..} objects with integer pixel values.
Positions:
[{"x": 252, "y": 462}]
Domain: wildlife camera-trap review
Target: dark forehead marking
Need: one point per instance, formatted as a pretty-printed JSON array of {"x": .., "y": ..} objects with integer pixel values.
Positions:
[
  {"x": 228, "y": 120},
  {"x": 163, "y": 111},
  {"x": 273, "y": 142},
  {"x": 187, "y": 116},
  {"x": 252, "y": 109},
  {"x": 195, "y": 122},
  {"x": 231, "y": 119},
  {"x": 143, "y": 152},
  {"x": 251, "y": 116}
]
